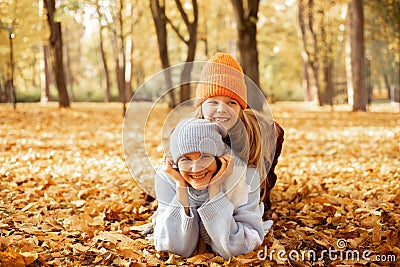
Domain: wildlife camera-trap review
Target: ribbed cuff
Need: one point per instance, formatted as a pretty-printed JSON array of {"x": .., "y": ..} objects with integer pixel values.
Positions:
[
  {"x": 177, "y": 211},
  {"x": 211, "y": 209}
]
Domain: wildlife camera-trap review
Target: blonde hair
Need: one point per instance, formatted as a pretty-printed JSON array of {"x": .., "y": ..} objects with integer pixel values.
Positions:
[{"x": 258, "y": 155}]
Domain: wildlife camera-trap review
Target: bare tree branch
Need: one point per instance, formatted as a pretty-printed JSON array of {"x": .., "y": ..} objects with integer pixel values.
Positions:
[
  {"x": 176, "y": 30},
  {"x": 183, "y": 13}
]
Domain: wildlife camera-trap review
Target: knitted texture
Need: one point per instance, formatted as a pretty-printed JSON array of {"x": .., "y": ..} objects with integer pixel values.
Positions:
[
  {"x": 222, "y": 76},
  {"x": 197, "y": 135}
]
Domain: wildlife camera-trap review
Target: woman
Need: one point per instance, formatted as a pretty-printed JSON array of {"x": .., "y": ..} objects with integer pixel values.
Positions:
[
  {"x": 222, "y": 98},
  {"x": 205, "y": 192}
]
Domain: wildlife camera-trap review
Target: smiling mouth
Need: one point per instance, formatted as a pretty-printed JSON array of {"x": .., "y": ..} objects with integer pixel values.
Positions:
[
  {"x": 196, "y": 177},
  {"x": 221, "y": 119}
]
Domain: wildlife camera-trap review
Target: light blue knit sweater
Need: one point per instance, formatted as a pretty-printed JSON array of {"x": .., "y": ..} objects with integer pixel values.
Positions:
[{"x": 229, "y": 230}]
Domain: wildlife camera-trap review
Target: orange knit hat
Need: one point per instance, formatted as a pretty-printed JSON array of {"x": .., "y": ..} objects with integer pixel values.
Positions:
[{"x": 222, "y": 76}]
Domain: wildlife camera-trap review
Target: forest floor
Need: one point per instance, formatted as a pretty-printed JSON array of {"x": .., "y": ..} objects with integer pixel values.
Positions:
[{"x": 67, "y": 198}]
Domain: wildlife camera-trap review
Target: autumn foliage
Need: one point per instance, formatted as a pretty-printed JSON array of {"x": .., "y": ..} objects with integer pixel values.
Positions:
[{"x": 67, "y": 198}]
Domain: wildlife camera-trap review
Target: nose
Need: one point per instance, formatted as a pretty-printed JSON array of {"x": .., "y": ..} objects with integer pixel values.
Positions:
[
  {"x": 221, "y": 107},
  {"x": 197, "y": 166}
]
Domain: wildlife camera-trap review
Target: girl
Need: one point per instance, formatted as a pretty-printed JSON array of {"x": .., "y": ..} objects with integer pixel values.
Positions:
[
  {"x": 206, "y": 193},
  {"x": 222, "y": 97}
]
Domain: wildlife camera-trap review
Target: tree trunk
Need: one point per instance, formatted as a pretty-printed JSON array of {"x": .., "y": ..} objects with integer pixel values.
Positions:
[
  {"x": 328, "y": 92},
  {"x": 45, "y": 75},
  {"x": 128, "y": 68},
  {"x": 56, "y": 45},
  {"x": 306, "y": 82},
  {"x": 2, "y": 88},
  {"x": 121, "y": 55},
  {"x": 68, "y": 70},
  {"x": 118, "y": 73},
  {"x": 160, "y": 22},
  {"x": 246, "y": 22},
  {"x": 314, "y": 63},
  {"x": 310, "y": 46},
  {"x": 327, "y": 65},
  {"x": 8, "y": 91},
  {"x": 358, "y": 94},
  {"x": 107, "y": 89},
  {"x": 127, "y": 50},
  {"x": 191, "y": 45},
  {"x": 387, "y": 85}
]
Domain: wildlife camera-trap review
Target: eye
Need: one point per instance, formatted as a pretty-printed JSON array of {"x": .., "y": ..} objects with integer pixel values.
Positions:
[
  {"x": 212, "y": 102},
  {"x": 206, "y": 156},
  {"x": 183, "y": 159},
  {"x": 232, "y": 103}
]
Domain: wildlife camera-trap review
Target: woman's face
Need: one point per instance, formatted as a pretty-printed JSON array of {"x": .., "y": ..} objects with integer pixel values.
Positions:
[
  {"x": 197, "y": 169},
  {"x": 221, "y": 109}
]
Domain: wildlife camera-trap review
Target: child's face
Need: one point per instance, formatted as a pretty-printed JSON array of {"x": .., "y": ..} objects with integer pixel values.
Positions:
[
  {"x": 221, "y": 109},
  {"x": 197, "y": 169}
]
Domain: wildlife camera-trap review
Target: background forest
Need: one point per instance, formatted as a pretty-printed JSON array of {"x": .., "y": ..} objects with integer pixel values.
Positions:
[{"x": 295, "y": 50}]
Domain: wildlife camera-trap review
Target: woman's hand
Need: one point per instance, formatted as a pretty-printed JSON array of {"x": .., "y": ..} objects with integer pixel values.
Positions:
[
  {"x": 224, "y": 172},
  {"x": 181, "y": 184},
  {"x": 173, "y": 173}
]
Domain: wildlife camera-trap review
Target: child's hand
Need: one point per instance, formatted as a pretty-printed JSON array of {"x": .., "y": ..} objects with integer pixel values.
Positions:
[
  {"x": 224, "y": 172},
  {"x": 172, "y": 172}
]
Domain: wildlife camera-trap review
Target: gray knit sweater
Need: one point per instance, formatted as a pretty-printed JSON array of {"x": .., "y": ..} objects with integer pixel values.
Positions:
[{"x": 229, "y": 229}]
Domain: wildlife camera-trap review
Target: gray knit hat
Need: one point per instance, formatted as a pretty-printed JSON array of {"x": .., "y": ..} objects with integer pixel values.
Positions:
[{"x": 197, "y": 135}]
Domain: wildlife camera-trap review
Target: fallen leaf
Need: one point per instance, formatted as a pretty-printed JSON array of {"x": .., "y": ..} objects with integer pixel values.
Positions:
[
  {"x": 114, "y": 238},
  {"x": 200, "y": 258},
  {"x": 10, "y": 258},
  {"x": 29, "y": 257}
]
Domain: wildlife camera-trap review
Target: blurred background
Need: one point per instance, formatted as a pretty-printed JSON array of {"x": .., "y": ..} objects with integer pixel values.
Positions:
[{"x": 329, "y": 52}]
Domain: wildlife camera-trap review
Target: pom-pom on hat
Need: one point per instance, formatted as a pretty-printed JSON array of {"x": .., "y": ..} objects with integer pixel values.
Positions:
[
  {"x": 197, "y": 135},
  {"x": 222, "y": 76}
]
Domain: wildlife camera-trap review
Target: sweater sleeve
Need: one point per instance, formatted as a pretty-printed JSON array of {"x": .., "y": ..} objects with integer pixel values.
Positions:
[
  {"x": 234, "y": 231},
  {"x": 174, "y": 230}
]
